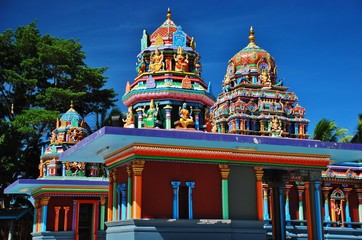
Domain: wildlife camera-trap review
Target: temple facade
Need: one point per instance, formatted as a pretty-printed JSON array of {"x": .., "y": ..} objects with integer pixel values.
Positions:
[{"x": 189, "y": 165}]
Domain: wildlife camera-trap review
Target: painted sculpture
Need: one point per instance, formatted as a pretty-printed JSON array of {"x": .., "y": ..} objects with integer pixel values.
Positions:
[
  {"x": 150, "y": 116},
  {"x": 182, "y": 62},
  {"x": 129, "y": 121},
  {"x": 185, "y": 116},
  {"x": 156, "y": 63}
]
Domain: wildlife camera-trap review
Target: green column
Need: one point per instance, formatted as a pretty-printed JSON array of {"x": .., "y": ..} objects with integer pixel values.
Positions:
[
  {"x": 168, "y": 109},
  {"x": 224, "y": 170},
  {"x": 140, "y": 117},
  {"x": 114, "y": 217},
  {"x": 102, "y": 214}
]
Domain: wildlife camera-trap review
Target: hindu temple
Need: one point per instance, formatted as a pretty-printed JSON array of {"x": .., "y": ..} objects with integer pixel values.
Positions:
[{"x": 189, "y": 165}]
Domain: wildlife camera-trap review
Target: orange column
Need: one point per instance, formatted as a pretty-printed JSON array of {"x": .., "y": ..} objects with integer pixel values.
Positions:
[
  {"x": 110, "y": 197},
  {"x": 137, "y": 168},
  {"x": 259, "y": 191},
  {"x": 66, "y": 210},
  {"x": 56, "y": 227},
  {"x": 308, "y": 214}
]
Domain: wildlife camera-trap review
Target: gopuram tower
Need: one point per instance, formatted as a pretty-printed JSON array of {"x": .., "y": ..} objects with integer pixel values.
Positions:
[
  {"x": 168, "y": 91},
  {"x": 254, "y": 101}
]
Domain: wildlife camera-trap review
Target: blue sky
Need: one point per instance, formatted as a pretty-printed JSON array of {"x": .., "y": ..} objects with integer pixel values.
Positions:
[{"x": 316, "y": 44}]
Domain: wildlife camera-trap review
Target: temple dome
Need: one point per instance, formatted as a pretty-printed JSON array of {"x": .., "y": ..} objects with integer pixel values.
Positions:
[
  {"x": 252, "y": 59},
  {"x": 165, "y": 32}
]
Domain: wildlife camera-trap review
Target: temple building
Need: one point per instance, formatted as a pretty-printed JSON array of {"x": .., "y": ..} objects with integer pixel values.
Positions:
[{"x": 189, "y": 165}]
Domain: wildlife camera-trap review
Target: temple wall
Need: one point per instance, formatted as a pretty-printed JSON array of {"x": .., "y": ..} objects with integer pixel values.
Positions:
[
  {"x": 242, "y": 193},
  {"x": 157, "y": 195}
]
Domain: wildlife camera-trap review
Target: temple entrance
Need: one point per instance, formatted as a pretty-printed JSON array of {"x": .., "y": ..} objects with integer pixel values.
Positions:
[
  {"x": 86, "y": 220},
  {"x": 184, "y": 203}
]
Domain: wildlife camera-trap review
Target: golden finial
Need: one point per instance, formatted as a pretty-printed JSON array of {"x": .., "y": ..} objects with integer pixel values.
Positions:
[
  {"x": 71, "y": 104},
  {"x": 168, "y": 14},
  {"x": 251, "y": 36}
]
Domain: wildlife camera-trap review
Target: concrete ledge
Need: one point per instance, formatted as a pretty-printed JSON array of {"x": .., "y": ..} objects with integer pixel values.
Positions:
[
  {"x": 170, "y": 229},
  {"x": 61, "y": 235}
]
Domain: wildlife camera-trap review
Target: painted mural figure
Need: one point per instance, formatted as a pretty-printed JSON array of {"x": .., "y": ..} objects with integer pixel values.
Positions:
[
  {"x": 129, "y": 121},
  {"x": 156, "y": 63},
  {"x": 185, "y": 114},
  {"x": 182, "y": 62},
  {"x": 150, "y": 116}
]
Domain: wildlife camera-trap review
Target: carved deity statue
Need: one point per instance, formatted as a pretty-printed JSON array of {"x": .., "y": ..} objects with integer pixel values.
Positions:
[
  {"x": 185, "y": 115},
  {"x": 276, "y": 127},
  {"x": 265, "y": 78},
  {"x": 150, "y": 116},
  {"x": 129, "y": 121},
  {"x": 141, "y": 66},
  {"x": 156, "y": 61},
  {"x": 182, "y": 62}
]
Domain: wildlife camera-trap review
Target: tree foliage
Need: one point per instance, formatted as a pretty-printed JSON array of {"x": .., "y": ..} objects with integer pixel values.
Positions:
[
  {"x": 328, "y": 131},
  {"x": 39, "y": 76},
  {"x": 357, "y": 138}
]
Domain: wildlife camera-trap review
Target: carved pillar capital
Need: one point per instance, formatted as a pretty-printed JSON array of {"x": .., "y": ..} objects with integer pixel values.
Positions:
[
  {"x": 44, "y": 201},
  {"x": 224, "y": 170},
  {"x": 259, "y": 173},
  {"x": 103, "y": 201},
  {"x": 137, "y": 167},
  {"x": 37, "y": 203}
]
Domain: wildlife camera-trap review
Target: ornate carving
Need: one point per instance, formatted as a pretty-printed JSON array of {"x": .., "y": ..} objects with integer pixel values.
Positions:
[
  {"x": 258, "y": 173},
  {"x": 44, "y": 201},
  {"x": 103, "y": 201},
  {"x": 137, "y": 167},
  {"x": 224, "y": 170}
]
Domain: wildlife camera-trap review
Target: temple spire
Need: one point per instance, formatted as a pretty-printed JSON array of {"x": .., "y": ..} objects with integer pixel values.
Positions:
[
  {"x": 251, "y": 36},
  {"x": 169, "y": 14},
  {"x": 71, "y": 104}
]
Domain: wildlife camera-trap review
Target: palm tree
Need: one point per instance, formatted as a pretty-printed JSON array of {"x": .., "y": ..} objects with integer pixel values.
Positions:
[
  {"x": 105, "y": 117},
  {"x": 328, "y": 131},
  {"x": 357, "y": 138}
]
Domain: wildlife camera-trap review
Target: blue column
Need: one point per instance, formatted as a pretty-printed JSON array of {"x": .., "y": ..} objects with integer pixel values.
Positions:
[
  {"x": 318, "y": 210},
  {"x": 190, "y": 185},
  {"x": 237, "y": 123},
  {"x": 63, "y": 170},
  {"x": 287, "y": 213},
  {"x": 266, "y": 204},
  {"x": 175, "y": 186},
  {"x": 348, "y": 216},
  {"x": 296, "y": 126},
  {"x": 282, "y": 212},
  {"x": 123, "y": 190}
]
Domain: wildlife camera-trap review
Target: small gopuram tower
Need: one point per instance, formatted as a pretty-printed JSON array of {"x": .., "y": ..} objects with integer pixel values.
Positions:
[
  {"x": 70, "y": 129},
  {"x": 254, "y": 101},
  {"x": 168, "y": 91}
]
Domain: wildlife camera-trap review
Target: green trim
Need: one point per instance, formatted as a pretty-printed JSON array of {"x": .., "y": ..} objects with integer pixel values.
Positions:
[
  {"x": 101, "y": 227},
  {"x": 129, "y": 197},
  {"x": 114, "y": 212}
]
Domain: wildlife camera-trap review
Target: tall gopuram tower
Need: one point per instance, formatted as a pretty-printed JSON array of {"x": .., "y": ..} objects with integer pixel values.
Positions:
[
  {"x": 254, "y": 101},
  {"x": 168, "y": 91}
]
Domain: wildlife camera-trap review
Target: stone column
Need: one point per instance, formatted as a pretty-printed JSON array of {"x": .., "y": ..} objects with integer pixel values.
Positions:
[
  {"x": 56, "y": 220},
  {"x": 140, "y": 117},
  {"x": 175, "y": 203},
  {"x": 225, "y": 170},
  {"x": 197, "y": 118},
  {"x": 348, "y": 215},
  {"x": 36, "y": 209},
  {"x": 287, "y": 210},
  {"x": 313, "y": 204},
  {"x": 66, "y": 211},
  {"x": 115, "y": 185},
  {"x": 123, "y": 189},
  {"x": 103, "y": 212},
  {"x": 300, "y": 200},
  {"x": 137, "y": 168},
  {"x": 129, "y": 192},
  {"x": 44, "y": 212},
  {"x": 327, "y": 216},
  {"x": 359, "y": 194},
  {"x": 110, "y": 197},
  {"x": 259, "y": 191},
  {"x": 190, "y": 185},
  {"x": 168, "y": 109},
  {"x": 265, "y": 202}
]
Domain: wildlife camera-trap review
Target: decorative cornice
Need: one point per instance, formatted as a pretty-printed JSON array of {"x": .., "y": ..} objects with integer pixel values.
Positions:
[
  {"x": 214, "y": 155},
  {"x": 224, "y": 170}
]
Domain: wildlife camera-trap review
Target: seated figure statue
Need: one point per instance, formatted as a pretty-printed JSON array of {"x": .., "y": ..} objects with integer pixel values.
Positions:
[
  {"x": 129, "y": 121},
  {"x": 276, "y": 127},
  {"x": 150, "y": 116},
  {"x": 182, "y": 62},
  {"x": 156, "y": 63},
  {"x": 186, "y": 120}
]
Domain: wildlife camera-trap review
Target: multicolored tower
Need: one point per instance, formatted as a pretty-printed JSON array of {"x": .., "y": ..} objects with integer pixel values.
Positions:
[
  {"x": 254, "y": 101},
  {"x": 168, "y": 91}
]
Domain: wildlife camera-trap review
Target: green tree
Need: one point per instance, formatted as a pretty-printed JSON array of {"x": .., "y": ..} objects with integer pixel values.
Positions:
[
  {"x": 39, "y": 76},
  {"x": 357, "y": 138},
  {"x": 328, "y": 131}
]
